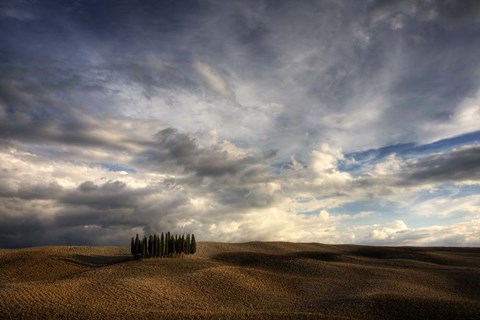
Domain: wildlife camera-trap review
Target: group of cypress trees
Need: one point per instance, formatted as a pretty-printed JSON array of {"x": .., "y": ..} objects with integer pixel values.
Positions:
[{"x": 168, "y": 245}]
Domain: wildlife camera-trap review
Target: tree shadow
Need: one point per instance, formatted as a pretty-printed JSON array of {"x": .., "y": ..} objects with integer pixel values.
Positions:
[
  {"x": 97, "y": 260},
  {"x": 323, "y": 256},
  {"x": 284, "y": 262},
  {"x": 351, "y": 255},
  {"x": 404, "y": 253}
]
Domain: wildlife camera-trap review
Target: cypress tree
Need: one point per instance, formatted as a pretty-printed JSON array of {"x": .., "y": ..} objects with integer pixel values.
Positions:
[
  {"x": 167, "y": 248},
  {"x": 193, "y": 245},
  {"x": 167, "y": 244},
  {"x": 162, "y": 246},
  {"x": 183, "y": 243},
  {"x": 132, "y": 247},
  {"x": 176, "y": 244},
  {"x": 152, "y": 249},
  {"x": 181, "y": 240},
  {"x": 179, "y": 244},
  {"x": 138, "y": 245},
  {"x": 155, "y": 246},
  {"x": 159, "y": 247},
  {"x": 144, "y": 247},
  {"x": 150, "y": 246},
  {"x": 152, "y": 254}
]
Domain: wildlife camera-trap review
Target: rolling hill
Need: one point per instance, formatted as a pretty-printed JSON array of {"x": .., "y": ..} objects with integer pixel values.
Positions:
[{"x": 256, "y": 280}]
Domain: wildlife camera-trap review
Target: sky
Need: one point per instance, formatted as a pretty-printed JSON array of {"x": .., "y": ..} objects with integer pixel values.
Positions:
[{"x": 309, "y": 121}]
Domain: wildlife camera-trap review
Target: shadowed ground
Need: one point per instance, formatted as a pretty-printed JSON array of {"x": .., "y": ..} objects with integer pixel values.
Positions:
[{"x": 258, "y": 280}]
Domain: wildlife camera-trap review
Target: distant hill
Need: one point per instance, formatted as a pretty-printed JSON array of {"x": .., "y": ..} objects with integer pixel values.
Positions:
[{"x": 257, "y": 280}]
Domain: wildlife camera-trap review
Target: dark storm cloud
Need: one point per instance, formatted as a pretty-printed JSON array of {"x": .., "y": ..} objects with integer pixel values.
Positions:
[
  {"x": 182, "y": 150},
  {"x": 144, "y": 84},
  {"x": 459, "y": 12},
  {"x": 79, "y": 49},
  {"x": 229, "y": 181},
  {"x": 73, "y": 57},
  {"x": 233, "y": 181},
  {"x": 44, "y": 104},
  {"x": 145, "y": 208},
  {"x": 18, "y": 219},
  {"x": 32, "y": 192},
  {"x": 112, "y": 194},
  {"x": 41, "y": 191},
  {"x": 458, "y": 165},
  {"x": 444, "y": 167},
  {"x": 17, "y": 232},
  {"x": 86, "y": 214},
  {"x": 456, "y": 11},
  {"x": 21, "y": 128}
]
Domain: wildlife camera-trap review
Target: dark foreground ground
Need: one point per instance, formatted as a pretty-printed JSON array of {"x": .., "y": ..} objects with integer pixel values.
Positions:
[{"x": 261, "y": 280}]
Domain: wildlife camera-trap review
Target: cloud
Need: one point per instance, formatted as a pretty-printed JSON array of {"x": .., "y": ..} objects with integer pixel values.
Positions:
[
  {"x": 214, "y": 80},
  {"x": 324, "y": 163},
  {"x": 224, "y": 120},
  {"x": 245, "y": 200},
  {"x": 398, "y": 233},
  {"x": 180, "y": 149},
  {"x": 246, "y": 54},
  {"x": 464, "y": 118},
  {"x": 449, "y": 206},
  {"x": 14, "y": 12},
  {"x": 458, "y": 166},
  {"x": 388, "y": 231},
  {"x": 447, "y": 12},
  {"x": 462, "y": 164}
]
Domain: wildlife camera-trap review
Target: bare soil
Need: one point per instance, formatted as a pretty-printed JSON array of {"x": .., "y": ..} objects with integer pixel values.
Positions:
[{"x": 258, "y": 280}]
